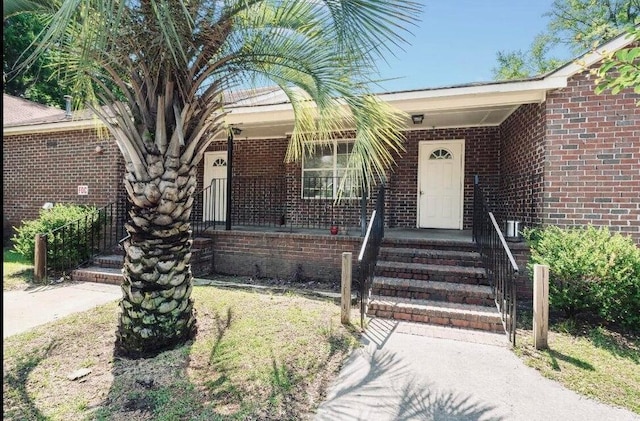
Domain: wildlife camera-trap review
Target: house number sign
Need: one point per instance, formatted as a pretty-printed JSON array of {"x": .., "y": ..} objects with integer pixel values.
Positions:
[{"x": 83, "y": 190}]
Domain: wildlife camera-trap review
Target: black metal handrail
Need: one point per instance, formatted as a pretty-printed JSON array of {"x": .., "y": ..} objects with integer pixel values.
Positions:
[
  {"x": 77, "y": 242},
  {"x": 499, "y": 263},
  {"x": 368, "y": 256}
]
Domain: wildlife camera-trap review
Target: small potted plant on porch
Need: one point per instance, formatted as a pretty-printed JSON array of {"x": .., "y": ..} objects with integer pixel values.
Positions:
[{"x": 334, "y": 228}]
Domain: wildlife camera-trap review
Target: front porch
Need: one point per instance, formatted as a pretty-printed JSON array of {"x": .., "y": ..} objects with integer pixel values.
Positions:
[
  {"x": 355, "y": 232},
  {"x": 297, "y": 254}
]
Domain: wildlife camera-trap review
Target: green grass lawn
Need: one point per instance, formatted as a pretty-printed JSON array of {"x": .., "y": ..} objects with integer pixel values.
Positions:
[
  {"x": 592, "y": 361},
  {"x": 17, "y": 272}
]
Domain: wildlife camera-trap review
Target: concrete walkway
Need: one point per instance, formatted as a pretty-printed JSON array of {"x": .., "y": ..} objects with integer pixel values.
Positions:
[
  {"x": 413, "y": 372},
  {"x": 23, "y": 310}
]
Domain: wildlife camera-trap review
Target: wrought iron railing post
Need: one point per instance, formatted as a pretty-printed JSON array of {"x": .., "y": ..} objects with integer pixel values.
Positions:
[
  {"x": 229, "y": 199},
  {"x": 363, "y": 208}
]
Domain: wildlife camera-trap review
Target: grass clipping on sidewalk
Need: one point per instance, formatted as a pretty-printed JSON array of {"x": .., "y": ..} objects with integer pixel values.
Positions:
[{"x": 256, "y": 356}]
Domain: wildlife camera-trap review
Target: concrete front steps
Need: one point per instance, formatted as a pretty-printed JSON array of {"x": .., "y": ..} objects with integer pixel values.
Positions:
[
  {"x": 107, "y": 269},
  {"x": 438, "y": 282}
]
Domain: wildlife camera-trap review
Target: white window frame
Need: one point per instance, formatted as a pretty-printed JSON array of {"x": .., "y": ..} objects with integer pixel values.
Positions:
[{"x": 334, "y": 170}]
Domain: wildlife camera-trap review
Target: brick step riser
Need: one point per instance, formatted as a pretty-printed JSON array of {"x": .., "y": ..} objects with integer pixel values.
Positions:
[
  {"x": 108, "y": 263},
  {"x": 453, "y": 278},
  {"x": 117, "y": 264},
  {"x": 430, "y": 260},
  {"x": 100, "y": 278},
  {"x": 437, "y": 319},
  {"x": 466, "y": 247},
  {"x": 447, "y": 297}
]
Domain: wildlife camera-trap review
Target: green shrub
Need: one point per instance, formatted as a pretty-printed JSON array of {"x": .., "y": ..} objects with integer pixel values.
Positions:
[
  {"x": 61, "y": 215},
  {"x": 590, "y": 270}
]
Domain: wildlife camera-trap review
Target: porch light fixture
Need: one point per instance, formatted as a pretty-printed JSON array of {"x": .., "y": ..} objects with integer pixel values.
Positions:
[
  {"x": 236, "y": 131},
  {"x": 417, "y": 118}
]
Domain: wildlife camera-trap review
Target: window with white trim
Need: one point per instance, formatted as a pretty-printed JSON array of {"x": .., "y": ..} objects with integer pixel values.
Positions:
[{"x": 323, "y": 170}]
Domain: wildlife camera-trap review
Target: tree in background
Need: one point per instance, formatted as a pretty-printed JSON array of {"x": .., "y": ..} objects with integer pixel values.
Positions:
[
  {"x": 578, "y": 24},
  {"x": 38, "y": 83},
  {"x": 621, "y": 69},
  {"x": 173, "y": 61}
]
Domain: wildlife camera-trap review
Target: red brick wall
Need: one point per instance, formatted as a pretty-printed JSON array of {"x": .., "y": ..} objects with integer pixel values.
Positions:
[
  {"x": 259, "y": 163},
  {"x": 281, "y": 255},
  {"x": 254, "y": 157},
  {"x": 481, "y": 157},
  {"x": 592, "y": 158},
  {"x": 522, "y": 165},
  {"x": 49, "y": 167}
]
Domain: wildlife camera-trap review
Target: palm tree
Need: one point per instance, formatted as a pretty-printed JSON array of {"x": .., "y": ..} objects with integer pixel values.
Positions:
[{"x": 171, "y": 62}]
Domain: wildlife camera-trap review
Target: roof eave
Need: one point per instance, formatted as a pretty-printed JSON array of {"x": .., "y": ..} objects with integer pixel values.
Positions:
[{"x": 51, "y": 127}]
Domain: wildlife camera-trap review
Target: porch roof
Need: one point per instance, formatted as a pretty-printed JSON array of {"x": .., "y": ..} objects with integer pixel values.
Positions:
[
  {"x": 266, "y": 112},
  {"x": 470, "y": 105}
]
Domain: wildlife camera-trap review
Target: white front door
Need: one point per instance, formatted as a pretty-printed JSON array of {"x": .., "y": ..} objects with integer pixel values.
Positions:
[
  {"x": 440, "y": 184},
  {"x": 215, "y": 185}
]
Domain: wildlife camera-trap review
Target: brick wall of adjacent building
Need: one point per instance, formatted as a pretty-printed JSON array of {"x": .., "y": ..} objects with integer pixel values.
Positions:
[
  {"x": 49, "y": 167},
  {"x": 592, "y": 158},
  {"x": 482, "y": 152}
]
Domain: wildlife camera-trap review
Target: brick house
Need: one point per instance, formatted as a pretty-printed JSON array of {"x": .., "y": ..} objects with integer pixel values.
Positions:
[{"x": 546, "y": 150}]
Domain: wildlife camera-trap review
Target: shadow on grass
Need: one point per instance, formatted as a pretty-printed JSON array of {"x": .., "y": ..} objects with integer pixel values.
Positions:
[
  {"x": 22, "y": 406},
  {"x": 221, "y": 325},
  {"x": 621, "y": 345},
  {"x": 618, "y": 342},
  {"x": 555, "y": 356}
]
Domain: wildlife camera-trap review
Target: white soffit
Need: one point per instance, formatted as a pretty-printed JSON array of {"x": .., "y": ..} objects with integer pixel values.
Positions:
[{"x": 479, "y": 105}]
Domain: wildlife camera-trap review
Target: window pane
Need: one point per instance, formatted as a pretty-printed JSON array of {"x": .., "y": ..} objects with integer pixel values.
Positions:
[
  {"x": 323, "y": 169},
  {"x": 351, "y": 190},
  {"x": 317, "y": 184},
  {"x": 344, "y": 149},
  {"x": 322, "y": 157}
]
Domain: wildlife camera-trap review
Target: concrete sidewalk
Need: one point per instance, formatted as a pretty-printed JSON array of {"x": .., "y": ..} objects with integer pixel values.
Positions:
[
  {"x": 413, "y": 372},
  {"x": 23, "y": 310}
]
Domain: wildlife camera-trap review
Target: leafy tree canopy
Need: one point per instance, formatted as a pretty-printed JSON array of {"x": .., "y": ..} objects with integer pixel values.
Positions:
[
  {"x": 38, "y": 82},
  {"x": 579, "y": 25},
  {"x": 620, "y": 69}
]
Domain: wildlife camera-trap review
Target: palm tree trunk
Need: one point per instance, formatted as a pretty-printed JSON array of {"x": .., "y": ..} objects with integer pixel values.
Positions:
[{"x": 156, "y": 308}]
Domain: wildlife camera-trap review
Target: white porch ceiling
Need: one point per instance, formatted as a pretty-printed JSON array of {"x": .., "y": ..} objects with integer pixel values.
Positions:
[
  {"x": 484, "y": 116},
  {"x": 443, "y": 118}
]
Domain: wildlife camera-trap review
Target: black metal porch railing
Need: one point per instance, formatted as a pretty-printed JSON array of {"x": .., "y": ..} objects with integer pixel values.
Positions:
[
  {"x": 283, "y": 202},
  {"x": 499, "y": 263},
  {"x": 207, "y": 207},
  {"x": 368, "y": 257},
  {"x": 77, "y": 242},
  {"x": 512, "y": 196}
]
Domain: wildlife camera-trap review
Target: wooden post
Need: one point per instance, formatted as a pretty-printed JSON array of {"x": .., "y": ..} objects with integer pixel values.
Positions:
[
  {"x": 346, "y": 288},
  {"x": 40, "y": 258},
  {"x": 540, "y": 306}
]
